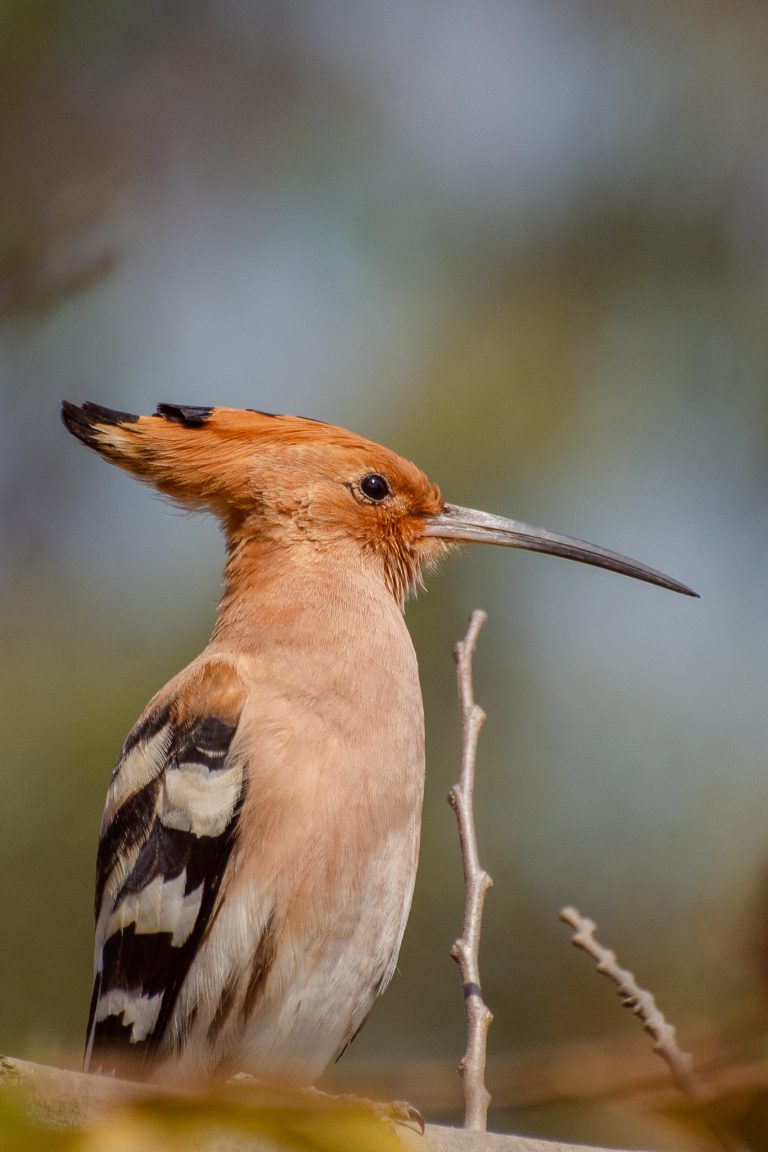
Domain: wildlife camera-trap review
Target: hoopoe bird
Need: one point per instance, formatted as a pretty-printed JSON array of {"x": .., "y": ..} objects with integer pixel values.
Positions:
[{"x": 259, "y": 842}]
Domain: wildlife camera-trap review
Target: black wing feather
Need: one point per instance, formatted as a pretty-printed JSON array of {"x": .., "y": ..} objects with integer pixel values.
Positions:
[{"x": 137, "y": 966}]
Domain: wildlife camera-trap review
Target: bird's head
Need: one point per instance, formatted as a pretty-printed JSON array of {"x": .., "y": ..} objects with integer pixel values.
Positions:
[{"x": 303, "y": 484}]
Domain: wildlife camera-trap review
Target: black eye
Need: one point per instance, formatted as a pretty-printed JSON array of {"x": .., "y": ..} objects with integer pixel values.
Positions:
[{"x": 374, "y": 487}]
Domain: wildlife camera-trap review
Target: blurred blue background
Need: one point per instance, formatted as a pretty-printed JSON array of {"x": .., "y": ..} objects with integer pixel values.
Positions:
[{"x": 524, "y": 243}]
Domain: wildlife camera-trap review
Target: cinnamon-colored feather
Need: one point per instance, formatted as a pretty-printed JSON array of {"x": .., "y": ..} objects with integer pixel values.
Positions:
[{"x": 259, "y": 842}]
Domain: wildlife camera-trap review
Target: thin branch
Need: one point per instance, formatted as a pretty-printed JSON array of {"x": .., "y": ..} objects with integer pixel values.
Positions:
[
  {"x": 653, "y": 1020},
  {"x": 465, "y": 950},
  {"x": 639, "y": 1001}
]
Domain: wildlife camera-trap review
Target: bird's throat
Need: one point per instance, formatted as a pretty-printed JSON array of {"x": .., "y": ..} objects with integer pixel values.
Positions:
[{"x": 295, "y": 590}]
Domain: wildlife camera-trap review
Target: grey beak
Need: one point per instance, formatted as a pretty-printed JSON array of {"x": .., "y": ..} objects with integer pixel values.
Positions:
[{"x": 455, "y": 523}]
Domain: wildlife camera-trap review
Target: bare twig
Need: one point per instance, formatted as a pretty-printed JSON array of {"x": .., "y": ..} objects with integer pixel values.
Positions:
[
  {"x": 644, "y": 1006},
  {"x": 638, "y": 1001},
  {"x": 476, "y": 883}
]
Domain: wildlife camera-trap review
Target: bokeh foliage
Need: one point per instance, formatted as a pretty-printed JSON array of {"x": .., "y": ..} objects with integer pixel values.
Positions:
[{"x": 525, "y": 244}]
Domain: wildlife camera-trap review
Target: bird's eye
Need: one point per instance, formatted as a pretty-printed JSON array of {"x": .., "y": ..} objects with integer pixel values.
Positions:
[{"x": 374, "y": 487}]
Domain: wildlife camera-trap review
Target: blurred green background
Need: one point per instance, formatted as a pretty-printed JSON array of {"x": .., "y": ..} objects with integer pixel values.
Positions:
[{"x": 524, "y": 242}]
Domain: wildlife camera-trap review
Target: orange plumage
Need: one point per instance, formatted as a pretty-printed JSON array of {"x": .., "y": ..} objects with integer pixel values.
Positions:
[
  {"x": 259, "y": 842},
  {"x": 276, "y": 481}
]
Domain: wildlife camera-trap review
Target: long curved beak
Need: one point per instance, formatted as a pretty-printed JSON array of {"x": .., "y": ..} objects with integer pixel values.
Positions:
[{"x": 455, "y": 523}]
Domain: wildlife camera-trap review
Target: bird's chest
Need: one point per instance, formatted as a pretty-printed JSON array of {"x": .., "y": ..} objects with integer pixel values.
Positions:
[
  {"x": 332, "y": 742},
  {"x": 333, "y": 738}
]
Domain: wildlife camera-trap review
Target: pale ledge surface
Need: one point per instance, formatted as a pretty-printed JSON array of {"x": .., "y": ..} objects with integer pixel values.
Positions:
[
  {"x": 67, "y": 1099},
  {"x": 459, "y": 1140}
]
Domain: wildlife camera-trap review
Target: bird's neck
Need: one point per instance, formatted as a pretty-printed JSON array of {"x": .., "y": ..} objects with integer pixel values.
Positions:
[{"x": 285, "y": 589}]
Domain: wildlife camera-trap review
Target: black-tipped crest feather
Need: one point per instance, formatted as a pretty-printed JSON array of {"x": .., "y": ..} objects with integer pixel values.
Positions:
[
  {"x": 81, "y": 420},
  {"x": 186, "y": 414}
]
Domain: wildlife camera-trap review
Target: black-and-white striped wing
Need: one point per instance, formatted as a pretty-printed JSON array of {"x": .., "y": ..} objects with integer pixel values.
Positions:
[{"x": 167, "y": 834}]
